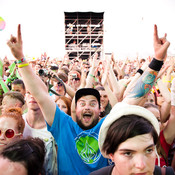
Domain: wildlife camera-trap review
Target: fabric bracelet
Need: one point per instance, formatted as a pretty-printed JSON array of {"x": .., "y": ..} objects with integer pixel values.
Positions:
[
  {"x": 158, "y": 80},
  {"x": 140, "y": 71},
  {"x": 94, "y": 77},
  {"x": 155, "y": 64},
  {"x": 23, "y": 65},
  {"x": 21, "y": 61}
]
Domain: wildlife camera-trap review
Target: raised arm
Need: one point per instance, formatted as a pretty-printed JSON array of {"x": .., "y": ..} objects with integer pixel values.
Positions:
[
  {"x": 169, "y": 131},
  {"x": 32, "y": 82},
  {"x": 112, "y": 98},
  {"x": 166, "y": 105},
  {"x": 91, "y": 75},
  {"x": 146, "y": 81}
]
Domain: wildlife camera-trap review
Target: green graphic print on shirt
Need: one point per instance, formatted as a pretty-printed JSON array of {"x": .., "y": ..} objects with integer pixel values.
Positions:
[{"x": 87, "y": 147}]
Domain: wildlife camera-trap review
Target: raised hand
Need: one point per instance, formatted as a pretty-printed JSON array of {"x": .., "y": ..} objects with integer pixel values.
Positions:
[
  {"x": 160, "y": 45},
  {"x": 15, "y": 44}
]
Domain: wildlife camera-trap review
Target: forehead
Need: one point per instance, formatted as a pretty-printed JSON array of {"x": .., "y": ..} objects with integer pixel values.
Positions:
[
  {"x": 8, "y": 122},
  {"x": 137, "y": 143},
  {"x": 17, "y": 86},
  {"x": 13, "y": 167},
  {"x": 9, "y": 99},
  {"x": 87, "y": 98},
  {"x": 102, "y": 92},
  {"x": 60, "y": 101}
]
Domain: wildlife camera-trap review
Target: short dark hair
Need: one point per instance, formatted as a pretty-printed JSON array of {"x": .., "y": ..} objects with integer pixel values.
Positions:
[
  {"x": 29, "y": 151},
  {"x": 19, "y": 81},
  {"x": 126, "y": 127}
]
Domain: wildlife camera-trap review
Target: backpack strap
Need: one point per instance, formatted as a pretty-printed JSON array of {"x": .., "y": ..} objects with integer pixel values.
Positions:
[
  {"x": 163, "y": 171},
  {"x": 167, "y": 170}
]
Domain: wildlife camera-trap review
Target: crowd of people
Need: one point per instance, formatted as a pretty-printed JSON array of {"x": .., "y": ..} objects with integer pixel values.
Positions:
[{"x": 88, "y": 117}]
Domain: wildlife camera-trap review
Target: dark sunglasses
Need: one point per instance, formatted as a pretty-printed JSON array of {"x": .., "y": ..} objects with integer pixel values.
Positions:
[
  {"x": 9, "y": 133},
  {"x": 76, "y": 79},
  {"x": 59, "y": 84}
]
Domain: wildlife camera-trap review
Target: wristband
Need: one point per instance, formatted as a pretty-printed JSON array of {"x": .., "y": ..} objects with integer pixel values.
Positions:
[
  {"x": 125, "y": 85},
  {"x": 155, "y": 64},
  {"x": 94, "y": 77},
  {"x": 140, "y": 71},
  {"x": 23, "y": 65},
  {"x": 158, "y": 80},
  {"x": 20, "y": 61}
]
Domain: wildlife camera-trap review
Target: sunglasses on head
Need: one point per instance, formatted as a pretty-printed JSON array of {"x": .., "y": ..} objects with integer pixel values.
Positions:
[{"x": 9, "y": 133}]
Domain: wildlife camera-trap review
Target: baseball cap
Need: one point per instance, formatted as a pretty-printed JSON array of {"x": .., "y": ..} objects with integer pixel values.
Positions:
[
  {"x": 87, "y": 91},
  {"x": 119, "y": 110}
]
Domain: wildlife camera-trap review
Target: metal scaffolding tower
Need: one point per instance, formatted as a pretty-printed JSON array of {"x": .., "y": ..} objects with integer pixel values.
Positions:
[{"x": 83, "y": 34}]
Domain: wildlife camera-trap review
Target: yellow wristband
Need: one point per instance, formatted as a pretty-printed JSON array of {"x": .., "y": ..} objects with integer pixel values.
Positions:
[{"x": 23, "y": 65}]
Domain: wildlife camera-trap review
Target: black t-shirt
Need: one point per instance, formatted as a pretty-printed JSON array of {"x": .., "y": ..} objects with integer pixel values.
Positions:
[{"x": 108, "y": 171}]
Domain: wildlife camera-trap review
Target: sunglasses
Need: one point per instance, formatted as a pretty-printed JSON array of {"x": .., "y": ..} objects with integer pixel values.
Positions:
[
  {"x": 9, "y": 133},
  {"x": 76, "y": 79},
  {"x": 59, "y": 84}
]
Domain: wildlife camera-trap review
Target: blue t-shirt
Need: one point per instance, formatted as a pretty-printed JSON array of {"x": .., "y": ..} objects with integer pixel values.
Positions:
[{"x": 78, "y": 151}]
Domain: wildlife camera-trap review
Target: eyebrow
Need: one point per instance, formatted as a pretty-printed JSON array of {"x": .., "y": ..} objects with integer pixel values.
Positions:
[
  {"x": 86, "y": 100},
  {"x": 130, "y": 150}
]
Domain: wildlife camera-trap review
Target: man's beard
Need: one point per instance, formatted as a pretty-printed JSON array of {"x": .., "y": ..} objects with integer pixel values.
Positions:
[{"x": 81, "y": 125}]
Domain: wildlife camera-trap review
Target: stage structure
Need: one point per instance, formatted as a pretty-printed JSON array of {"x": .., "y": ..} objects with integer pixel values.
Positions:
[{"x": 84, "y": 34}]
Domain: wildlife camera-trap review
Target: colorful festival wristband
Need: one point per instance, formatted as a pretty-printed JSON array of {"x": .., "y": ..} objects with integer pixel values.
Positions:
[
  {"x": 23, "y": 65},
  {"x": 21, "y": 61}
]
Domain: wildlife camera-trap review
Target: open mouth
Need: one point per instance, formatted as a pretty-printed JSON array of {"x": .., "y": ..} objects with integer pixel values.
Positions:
[{"x": 87, "y": 117}]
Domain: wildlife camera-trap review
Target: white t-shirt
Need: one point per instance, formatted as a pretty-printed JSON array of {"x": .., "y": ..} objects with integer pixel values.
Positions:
[{"x": 50, "y": 164}]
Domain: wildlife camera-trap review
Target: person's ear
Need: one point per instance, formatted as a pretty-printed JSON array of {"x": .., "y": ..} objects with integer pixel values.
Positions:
[{"x": 111, "y": 156}]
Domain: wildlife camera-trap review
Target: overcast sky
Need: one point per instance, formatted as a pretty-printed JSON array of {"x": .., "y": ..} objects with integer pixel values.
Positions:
[{"x": 128, "y": 24}]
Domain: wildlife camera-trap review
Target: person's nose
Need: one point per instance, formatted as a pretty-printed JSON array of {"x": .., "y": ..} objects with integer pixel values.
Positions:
[
  {"x": 87, "y": 106},
  {"x": 2, "y": 136},
  {"x": 140, "y": 162}
]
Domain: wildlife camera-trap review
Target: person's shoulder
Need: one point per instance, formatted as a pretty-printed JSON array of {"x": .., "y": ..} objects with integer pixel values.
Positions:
[{"x": 103, "y": 171}]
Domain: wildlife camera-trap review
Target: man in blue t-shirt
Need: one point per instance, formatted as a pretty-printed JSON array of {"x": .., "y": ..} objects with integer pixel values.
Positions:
[{"x": 78, "y": 151}]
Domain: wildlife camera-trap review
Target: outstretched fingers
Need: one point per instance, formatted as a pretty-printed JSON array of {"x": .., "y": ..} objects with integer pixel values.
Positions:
[
  {"x": 156, "y": 38},
  {"x": 19, "y": 36}
]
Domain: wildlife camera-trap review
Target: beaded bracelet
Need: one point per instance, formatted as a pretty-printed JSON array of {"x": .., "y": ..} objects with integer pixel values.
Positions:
[
  {"x": 23, "y": 65},
  {"x": 20, "y": 61}
]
